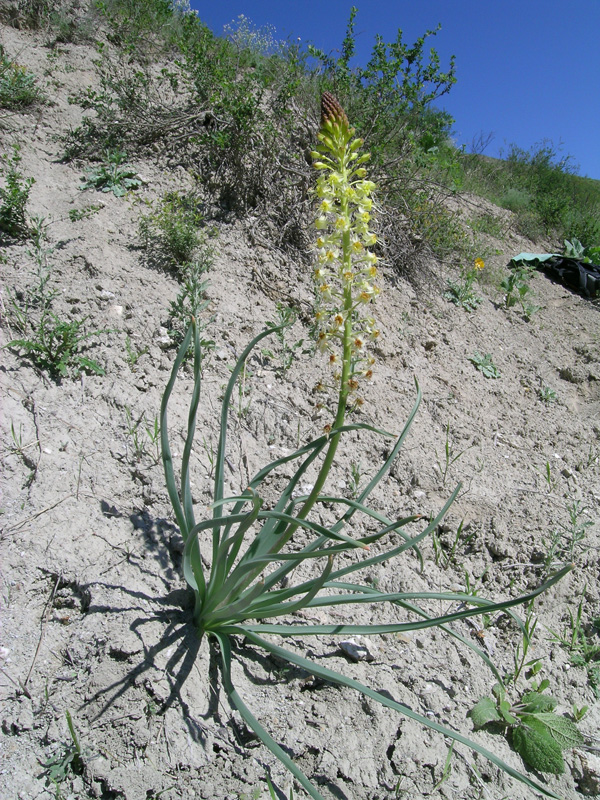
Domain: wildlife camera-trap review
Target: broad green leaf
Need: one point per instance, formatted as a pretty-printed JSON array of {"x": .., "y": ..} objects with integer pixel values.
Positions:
[
  {"x": 499, "y": 691},
  {"x": 538, "y": 749},
  {"x": 564, "y": 731},
  {"x": 483, "y": 712},
  {"x": 504, "y": 708},
  {"x": 533, "y": 702}
]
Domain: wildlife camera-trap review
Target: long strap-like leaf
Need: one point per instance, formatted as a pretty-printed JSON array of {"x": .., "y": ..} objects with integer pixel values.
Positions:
[
  {"x": 167, "y": 457},
  {"x": 484, "y": 607},
  {"x": 249, "y": 718},
  {"x": 336, "y": 677}
]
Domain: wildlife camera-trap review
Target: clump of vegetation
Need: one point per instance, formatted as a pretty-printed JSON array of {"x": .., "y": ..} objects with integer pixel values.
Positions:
[
  {"x": 517, "y": 286},
  {"x": 173, "y": 230},
  {"x": 18, "y": 86},
  {"x": 50, "y": 342},
  {"x": 174, "y": 237},
  {"x": 541, "y": 187},
  {"x": 485, "y": 365},
  {"x": 113, "y": 176},
  {"x": 461, "y": 293},
  {"x": 58, "y": 346},
  {"x": 531, "y": 724},
  {"x": 14, "y": 196}
]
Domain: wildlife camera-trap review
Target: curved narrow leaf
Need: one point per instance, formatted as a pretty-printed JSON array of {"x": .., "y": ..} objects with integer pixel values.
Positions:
[
  {"x": 249, "y": 718},
  {"x": 485, "y": 606},
  {"x": 337, "y": 677},
  {"x": 167, "y": 457}
]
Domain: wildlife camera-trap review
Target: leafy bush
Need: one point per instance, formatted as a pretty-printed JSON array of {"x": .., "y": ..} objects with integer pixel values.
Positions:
[
  {"x": 14, "y": 196},
  {"x": 542, "y": 189},
  {"x": 171, "y": 233},
  {"x": 113, "y": 176},
  {"x": 18, "y": 86}
]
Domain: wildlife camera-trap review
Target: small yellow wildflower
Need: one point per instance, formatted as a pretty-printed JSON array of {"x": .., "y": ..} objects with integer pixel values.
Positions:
[{"x": 479, "y": 263}]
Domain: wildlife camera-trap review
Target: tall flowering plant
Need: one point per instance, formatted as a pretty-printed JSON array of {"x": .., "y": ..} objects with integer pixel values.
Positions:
[{"x": 238, "y": 562}]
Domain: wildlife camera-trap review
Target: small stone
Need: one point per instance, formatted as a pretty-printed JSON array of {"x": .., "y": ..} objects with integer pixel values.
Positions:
[
  {"x": 356, "y": 651},
  {"x": 162, "y": 339}
]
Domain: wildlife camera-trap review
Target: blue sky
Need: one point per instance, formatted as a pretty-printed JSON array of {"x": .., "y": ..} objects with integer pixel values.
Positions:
[{"x": 527, "y": 70}]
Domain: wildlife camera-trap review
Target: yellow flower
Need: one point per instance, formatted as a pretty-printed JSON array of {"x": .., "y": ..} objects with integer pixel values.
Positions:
[{"x": 479, "y": 263}]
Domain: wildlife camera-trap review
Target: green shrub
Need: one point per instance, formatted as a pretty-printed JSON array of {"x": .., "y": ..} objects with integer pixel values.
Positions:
[
  {"x": 516, "y": 200},
  {"x": 14, "y": 196},
  {"x": 171, "y": 233},
  {"x": 18, "y": 86}
]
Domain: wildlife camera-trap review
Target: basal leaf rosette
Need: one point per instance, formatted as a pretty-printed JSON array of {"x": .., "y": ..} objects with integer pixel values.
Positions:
[{"x": 346, "y": 268}]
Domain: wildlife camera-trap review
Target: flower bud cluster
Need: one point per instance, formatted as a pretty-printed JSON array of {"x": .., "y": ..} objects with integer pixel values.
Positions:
[{"x": 346, "y": 268}]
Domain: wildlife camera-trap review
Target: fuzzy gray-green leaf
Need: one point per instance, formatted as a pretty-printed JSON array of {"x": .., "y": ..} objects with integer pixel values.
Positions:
[
  {"x": 538, "y": 749},
  {"x": 483, "y": 712},
  {"x": 564, "y": 731},
  {"x": 534, "y": 702}
]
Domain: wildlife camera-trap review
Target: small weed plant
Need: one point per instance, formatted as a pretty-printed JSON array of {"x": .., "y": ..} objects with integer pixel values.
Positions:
[
  {"x": 18, "y": 86},
  {"x": 547, "y": 394},
  {"x": 517, "y": 288},
  {"x": 143, "y": 437},
  {"x": 53, "y": 344},
  {"x": 569, "y": 541},
  {"x": 527, "y": 717},
  {"x": 485, "y": 365},
  {"x": 77, "y": 214},
  {"x": 445, "y": 551},
  {"x": 59, "y": 346},
  {"x": 461, "y": 293},
  {"x": 450, "y": 456},
  {"x": 191, "y": 299},
  {"x": 113, "y": 176},
  {"x": 242, "y": 561},
  {"x": 288, "y": 351},
  {"x": 14, "y": 196},
  {"x": 531, "y": 724},
  {"x": 69, "y": 761}
]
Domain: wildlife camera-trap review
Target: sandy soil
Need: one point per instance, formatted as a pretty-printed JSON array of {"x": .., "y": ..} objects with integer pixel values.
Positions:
[{"x": 95, "y": 615}]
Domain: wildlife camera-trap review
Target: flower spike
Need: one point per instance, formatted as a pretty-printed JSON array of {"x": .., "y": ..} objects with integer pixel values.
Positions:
[{"x": 332, "y": 111}]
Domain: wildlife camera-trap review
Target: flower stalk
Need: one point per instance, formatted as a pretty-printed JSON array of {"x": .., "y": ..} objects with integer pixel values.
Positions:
[{"x": 345, "y": 272}]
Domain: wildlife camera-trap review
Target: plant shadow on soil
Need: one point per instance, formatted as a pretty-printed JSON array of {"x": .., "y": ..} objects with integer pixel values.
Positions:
[{"x": 176, "y": 615}]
